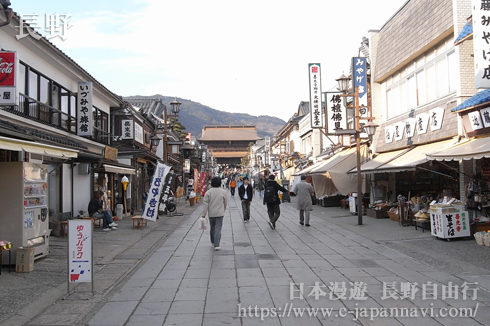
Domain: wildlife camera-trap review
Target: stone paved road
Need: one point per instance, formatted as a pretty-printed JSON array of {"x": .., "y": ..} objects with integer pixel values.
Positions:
[{"x": 186, "y": 282}]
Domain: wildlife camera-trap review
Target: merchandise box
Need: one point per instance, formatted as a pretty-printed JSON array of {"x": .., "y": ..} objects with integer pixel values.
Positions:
[{"x": 25, "y": 259}]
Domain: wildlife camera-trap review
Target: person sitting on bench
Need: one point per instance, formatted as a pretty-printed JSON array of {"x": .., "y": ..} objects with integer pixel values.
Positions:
[{"x": 95, "y": 210}]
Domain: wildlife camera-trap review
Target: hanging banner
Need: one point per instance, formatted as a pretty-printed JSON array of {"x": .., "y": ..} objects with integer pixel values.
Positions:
[
  {"x": 150, "y": 210},
  {"x": 84, "y": 109},
  {"x": 436, "y": 117},
  {"x": 196, "y": 181},
  {"x": 203, "y": 183},
  {"x": 336, "y": 112},
  {"x": 8, "y": 62},
  {"x": 316, "y": 110},
  {"x": 80, "y": 257},
  {"x": 481, "y": 43},
  {"x": 166, "y": 190}
]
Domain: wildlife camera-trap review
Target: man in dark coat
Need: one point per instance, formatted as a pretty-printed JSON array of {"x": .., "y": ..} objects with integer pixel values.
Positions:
[
  {"x": 273, "y": 205},
  {"x": 246, "y": 192}
]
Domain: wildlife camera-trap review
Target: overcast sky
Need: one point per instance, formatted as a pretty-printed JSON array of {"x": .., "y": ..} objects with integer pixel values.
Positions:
[{"x": 247, "y": 57}]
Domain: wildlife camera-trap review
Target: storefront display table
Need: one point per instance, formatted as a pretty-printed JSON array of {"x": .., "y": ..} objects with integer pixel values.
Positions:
[
  {"x": 139, "y": 222},
  {"x": 480, "y": 226},
  {"x": 1, "y": 258},
  {"x": 423, "y": 224}
]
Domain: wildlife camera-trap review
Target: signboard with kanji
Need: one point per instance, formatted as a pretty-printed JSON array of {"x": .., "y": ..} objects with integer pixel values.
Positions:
[
  {"x": 150, "y": 210},
  {"x": 80, "y": 257},
  {"x": 481, "y": 42},
  {"x": 84, "y": 109},
  {"x": 336, "y": 112},
  {"x": 316, "y": 110},
  {"x": 127, "y": 129}
]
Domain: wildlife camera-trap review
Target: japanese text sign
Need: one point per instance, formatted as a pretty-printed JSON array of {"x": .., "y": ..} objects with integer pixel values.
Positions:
[
  {"x": 336, "y": 112},
  {"x": 138, "y": 133},
  {"x": 481, "y": 42},
  {"x": 150, "y": 210},
  {"x": 167, "y": 188},
  {"x": 316, "y": 110},
  {"x": 127, "y": 129},
  {"x": 80, "y": 264},
  {"x": 84, "y": 109},
  {"x": 360, "y": 81}
]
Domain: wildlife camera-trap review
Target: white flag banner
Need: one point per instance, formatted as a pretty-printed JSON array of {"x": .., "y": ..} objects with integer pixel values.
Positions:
[{"x": 150, "y": 210}]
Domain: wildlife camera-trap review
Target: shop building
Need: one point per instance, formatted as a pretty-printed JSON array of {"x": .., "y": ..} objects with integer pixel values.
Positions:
[
  {"x": 42, "y": 123},
  {"x": 417, "y": 78}
]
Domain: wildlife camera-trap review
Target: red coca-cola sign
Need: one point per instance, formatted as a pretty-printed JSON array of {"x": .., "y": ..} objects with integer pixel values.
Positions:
[{"x": 7, "y": 68}]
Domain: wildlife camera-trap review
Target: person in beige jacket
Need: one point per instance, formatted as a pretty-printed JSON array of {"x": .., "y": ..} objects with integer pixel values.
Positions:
[{"x": 215, "y": 202}]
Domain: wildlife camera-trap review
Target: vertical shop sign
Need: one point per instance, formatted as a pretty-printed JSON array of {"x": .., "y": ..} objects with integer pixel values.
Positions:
[
  {"x": 316, "y": 110},
  {"x": 84, "y": 109},
  {"x": 398, "y": 131},
  {"x": 187, "y": 165},
  {"x": 360, "y": 81},
  {"x": 485, "y": 115},
  {"x": 410, "y": 124},
  {"x": 138, "y": 133},
  {"x": 150, "y": 210},
  {"x": 127, "y": 129},
  {"x": 80, "y": 257},
  {"x": 436, "y": 117},
  {"x": 167, "y": 188},
  {"x": 389, "y": 131},
  {"x": 336, "y": 112},
  {"x": 8, "y": 62},
  {"x": 203, "y": 183},
  {"x": 481, "y": 42},
  {"x": 422, "y": 123},
  {"x": 475, "y": 120}
]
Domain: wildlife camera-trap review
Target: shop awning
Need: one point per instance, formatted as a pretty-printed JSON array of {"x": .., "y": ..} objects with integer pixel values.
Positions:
[
  {"x": 117, "y": 169},
  {"x": 416, "y": 156},
  {"x": 333, "y": 161},
  {"x": 383, "y": 158},
  {"x": 36, "y": 148},
  {"x": 475, "y": 148},
  {"x": 308, "y": 169}
]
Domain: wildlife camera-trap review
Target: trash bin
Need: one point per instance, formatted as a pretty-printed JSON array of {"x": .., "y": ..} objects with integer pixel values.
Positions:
[{"x": 119, "y": 211}]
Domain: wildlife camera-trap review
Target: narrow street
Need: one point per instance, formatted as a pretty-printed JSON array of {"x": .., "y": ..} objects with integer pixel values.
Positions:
[{"x": 256, "y": 277}]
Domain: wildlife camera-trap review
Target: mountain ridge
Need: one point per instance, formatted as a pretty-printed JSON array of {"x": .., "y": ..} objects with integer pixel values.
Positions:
[{"x": 194, "y": 115}]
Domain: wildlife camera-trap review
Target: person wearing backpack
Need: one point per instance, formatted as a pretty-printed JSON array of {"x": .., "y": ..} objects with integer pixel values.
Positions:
[{"x": 271, "y": 199}]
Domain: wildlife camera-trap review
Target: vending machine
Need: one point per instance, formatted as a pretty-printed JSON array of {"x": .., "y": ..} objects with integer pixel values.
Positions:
[{"x": 24, "y": 214}]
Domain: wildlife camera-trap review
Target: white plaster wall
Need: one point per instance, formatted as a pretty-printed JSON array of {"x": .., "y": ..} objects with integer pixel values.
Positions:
[
  {"x": 66, "y": 185},
  {"x": 81, "y": 190}
]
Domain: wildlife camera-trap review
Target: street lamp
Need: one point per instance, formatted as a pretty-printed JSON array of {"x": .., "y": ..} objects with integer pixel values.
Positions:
[
  {"x": 155, "y": 140},
  {"x": 370, "y": 128}
]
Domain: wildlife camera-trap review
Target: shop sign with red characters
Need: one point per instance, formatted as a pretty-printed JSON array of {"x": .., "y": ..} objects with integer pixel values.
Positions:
[{"x": 7, "y": 78}]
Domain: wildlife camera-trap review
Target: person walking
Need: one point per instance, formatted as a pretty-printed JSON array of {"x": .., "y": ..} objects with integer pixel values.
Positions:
[
  {"x": 245, "y": 191},
  {"x": 232, "y": 187},
  {"x": 304, "y": 191},
  {"x": 271, "y": 198},
  {"x": 261, "y": 187},
  {"x": 215, "y": 202}
]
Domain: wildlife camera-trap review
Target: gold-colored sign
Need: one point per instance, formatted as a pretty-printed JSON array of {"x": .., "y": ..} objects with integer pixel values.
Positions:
[{"x": 110, "y": 153}]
